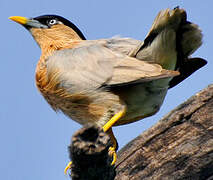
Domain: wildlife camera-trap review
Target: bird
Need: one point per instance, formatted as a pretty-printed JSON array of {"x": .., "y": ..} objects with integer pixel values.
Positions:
[{"x": 114, "y": 81}]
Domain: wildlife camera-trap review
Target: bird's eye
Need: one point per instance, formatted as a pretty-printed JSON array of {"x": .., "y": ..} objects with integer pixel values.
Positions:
[{"x": 52, "y": 22}]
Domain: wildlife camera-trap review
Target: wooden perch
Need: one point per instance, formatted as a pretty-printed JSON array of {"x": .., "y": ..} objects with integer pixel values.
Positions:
[
  {"x": 89, "y": 155},
  {"x": 178, "y": 147}
]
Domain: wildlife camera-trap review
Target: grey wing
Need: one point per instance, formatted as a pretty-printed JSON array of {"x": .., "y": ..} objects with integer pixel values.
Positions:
[
  {"x": 89, "y": 67},
  {"x": 127, "y": 46},
  {"x": 80, "y": 69}
]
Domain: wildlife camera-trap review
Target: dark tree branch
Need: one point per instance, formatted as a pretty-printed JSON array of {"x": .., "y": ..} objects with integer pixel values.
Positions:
[
  {"x": 178, "y": 147},
  {"x": 89, "y": 154}
]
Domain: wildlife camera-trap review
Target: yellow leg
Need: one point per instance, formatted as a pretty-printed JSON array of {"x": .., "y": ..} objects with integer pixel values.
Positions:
[
  {"x": 113, "y": 120},
  {"x": 67, "y": 167},
  {"x": 112, "y": 138},
  {"x": 108, "y": 128}
]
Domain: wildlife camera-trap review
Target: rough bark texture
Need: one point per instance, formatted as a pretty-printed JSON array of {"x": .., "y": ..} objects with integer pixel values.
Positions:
[
  {"x": 178, "y": 147},
  {"x": 89, "y": 154}
]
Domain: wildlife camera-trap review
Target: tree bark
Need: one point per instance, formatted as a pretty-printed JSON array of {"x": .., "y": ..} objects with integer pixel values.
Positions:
[
  {"x": 89, "y": 155},
  {"x": 178, "y": 147}
]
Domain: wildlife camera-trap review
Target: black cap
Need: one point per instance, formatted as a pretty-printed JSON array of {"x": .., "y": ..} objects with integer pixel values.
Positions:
[{"x": 44, "y": 19}]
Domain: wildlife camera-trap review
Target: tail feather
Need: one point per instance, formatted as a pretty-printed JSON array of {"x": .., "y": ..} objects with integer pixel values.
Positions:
[
  {"x": 170, "y": 42},
  {"x": 190, "y": 66},
  {"x": 191, "y": 38}
]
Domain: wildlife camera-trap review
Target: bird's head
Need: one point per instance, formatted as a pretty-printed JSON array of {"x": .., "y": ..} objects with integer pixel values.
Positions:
[{"x": 50, "y": 30}]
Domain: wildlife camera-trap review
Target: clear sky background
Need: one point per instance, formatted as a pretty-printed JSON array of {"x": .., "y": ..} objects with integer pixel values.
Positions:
[{"x": 33, "y": 138}]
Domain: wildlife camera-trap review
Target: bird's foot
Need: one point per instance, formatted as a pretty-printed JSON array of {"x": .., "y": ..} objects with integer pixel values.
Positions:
[
  {"x": 112, "y": 153},
  {"x": 68, "y": 167}
]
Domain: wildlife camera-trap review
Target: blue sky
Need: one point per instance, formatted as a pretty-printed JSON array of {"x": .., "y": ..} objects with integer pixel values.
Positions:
[{"x": 33, "y": 137}]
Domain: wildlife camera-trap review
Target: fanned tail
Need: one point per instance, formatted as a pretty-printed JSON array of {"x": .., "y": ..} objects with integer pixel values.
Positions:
[{"x": 170, "y": 42}]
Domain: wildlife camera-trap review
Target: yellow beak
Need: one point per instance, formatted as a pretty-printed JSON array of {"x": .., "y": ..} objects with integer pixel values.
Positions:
[{"x": 19, "y": 19}]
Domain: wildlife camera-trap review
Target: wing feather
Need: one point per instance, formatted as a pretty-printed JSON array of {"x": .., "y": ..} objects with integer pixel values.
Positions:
[{"x": 89, "y": 67}]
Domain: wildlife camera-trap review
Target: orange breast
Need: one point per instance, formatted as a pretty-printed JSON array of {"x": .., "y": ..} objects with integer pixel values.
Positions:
[{"x": 79, "y": 107}]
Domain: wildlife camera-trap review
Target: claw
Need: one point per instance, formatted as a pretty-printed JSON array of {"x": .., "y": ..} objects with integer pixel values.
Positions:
[
  {"x": 113, "y": 154},
  {"x": 108, "y": 128},
  {"x": 67, "y": 167}
]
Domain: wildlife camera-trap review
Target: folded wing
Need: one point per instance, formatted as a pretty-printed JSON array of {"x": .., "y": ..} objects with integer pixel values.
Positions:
[{"x": 90, "y": 67}]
